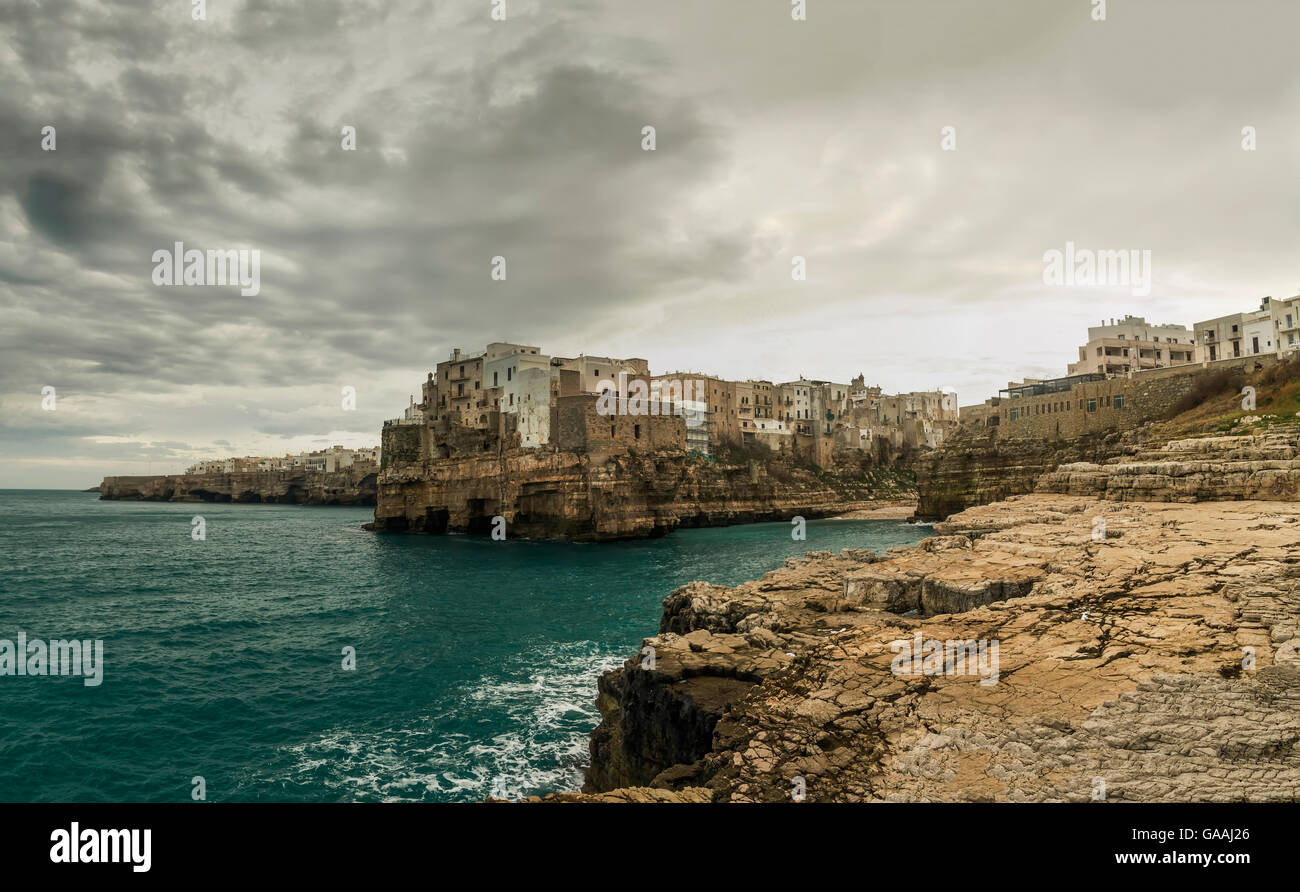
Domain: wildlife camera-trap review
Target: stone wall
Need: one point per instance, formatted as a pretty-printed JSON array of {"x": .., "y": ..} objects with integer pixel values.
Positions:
[
  {"x": 400, "y": 443},
  {"x": 984, "y": 463},
  {"x": 580, "y": 427},
  {"x": 1098, "y": 406}
]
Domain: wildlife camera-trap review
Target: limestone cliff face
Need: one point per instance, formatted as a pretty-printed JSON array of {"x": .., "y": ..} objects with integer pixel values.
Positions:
[
  {"x": 976, "y": 468},
  {"x": 347, "y": 487},
  {"x": 567, "y": 495},
  {"x": 1159, "y": 663},
  {"x": 1155, "y": 658},
  {"x": 1253, "y": 466}
]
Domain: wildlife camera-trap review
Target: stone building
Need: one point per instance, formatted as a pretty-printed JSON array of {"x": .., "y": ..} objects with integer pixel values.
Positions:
[
  {"x": 1080, "y": 404},
  {"x": 580, "y": 426},
  {"x": 470, "y": 389}
]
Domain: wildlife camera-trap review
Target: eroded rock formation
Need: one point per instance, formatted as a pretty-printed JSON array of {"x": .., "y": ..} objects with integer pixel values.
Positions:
[
  {"x": 976, "y": 467},
  {"x": 347, "y": 487},
  {"x": 567, "y": 495},
  {"x": 1157, "y": 661},
  {"x": 1252, "y": 466}
]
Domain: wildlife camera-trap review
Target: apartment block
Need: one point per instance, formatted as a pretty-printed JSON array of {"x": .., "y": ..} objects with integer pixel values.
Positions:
[
  {"x": 1236, "y": 335},
  {"x": 1131, "y": 344},
  {"x": 1285, "y": 317}
]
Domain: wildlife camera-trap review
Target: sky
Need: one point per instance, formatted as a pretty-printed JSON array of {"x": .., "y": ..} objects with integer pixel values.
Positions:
[{"x": 523, "y": 138}]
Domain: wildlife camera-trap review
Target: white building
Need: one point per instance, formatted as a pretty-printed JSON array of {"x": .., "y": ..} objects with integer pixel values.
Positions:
[
  {"x": 1235, "y": 335},
  {"x": 1131, "y": 344},
  {"x": 1285, "y": 317}
]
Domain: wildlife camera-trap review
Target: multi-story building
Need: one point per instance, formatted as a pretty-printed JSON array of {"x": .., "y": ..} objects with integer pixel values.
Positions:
[
  {"x": 1285, "y": 317},
  {"x": 1236, "y": 335},
  {"x": 459, "y": 390},
  {"x": 470, "y": 389},
  {"x": 794, "y": 405},
  {"x": 1131, "y": 344},
  {"x": 515, "y": 389},
  {"x": 594, "y": 369},
  {"x": 503, "y": 365}
]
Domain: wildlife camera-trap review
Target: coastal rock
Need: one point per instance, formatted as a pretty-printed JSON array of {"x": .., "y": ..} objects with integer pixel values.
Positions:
[
  {"x": 980, "y": 467},
  {"x": 347, "y": 487},
  {"x": 1259, "y": 466},
  {"x": 550, "y": 494},
  {"x": 1158, "y": 664}
]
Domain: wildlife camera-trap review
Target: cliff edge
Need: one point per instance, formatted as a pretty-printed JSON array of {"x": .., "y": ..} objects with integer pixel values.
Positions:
[
  {"x": 347, "y": 487},
  {"x": 1160, "y": 662},
  {"x": 553, "y": 494}
]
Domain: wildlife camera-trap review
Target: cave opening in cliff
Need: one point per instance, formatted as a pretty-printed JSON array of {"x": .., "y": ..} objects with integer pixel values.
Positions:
[{"x": 479, "y": 514}]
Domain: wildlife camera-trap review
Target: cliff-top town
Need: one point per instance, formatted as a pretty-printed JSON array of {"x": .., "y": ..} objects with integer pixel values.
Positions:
[
  {"x": 512, "y": 390},
  {"x": 336, "y": 458}
]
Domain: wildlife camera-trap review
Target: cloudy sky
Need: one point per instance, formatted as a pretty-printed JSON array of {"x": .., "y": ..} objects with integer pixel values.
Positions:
[{"x": 522, "y": 138}]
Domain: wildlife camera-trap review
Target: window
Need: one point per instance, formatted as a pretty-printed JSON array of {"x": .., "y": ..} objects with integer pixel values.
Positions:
[
  {"x": 1092, "y": 405},
  {"x": 1119, "y": 401},
  {"x": 494, "y": 379},
  {"x": 1015, "y": 413},
  {"x": 510, "y": 373},
  {"x": 636, "y": 431}
]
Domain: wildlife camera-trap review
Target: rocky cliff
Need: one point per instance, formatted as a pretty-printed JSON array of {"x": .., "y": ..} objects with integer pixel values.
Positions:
[
  {"x": 1250, "y": 466},
  {"x": 347, "y": 487},
  {"x": 979, "y": 467},
  {"x": 567, "y": 495},
  {"x": 1159, "y": 662}
]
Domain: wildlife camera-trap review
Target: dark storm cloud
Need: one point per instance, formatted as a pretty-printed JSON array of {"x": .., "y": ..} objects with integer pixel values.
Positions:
[
  {"x": 552, "y": 177},
  {"x": 55, "y": 207}
]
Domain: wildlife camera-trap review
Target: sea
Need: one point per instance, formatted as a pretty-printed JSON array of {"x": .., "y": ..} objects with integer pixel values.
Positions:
[{"x": 283, "y": 653}]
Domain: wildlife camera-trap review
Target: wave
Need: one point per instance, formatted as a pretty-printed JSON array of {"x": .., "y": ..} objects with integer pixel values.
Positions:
[{"x": 536, "y": 715}]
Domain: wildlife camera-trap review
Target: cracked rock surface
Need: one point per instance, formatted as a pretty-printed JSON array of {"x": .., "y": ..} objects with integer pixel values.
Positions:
[{"x": 1152, "y": 656}]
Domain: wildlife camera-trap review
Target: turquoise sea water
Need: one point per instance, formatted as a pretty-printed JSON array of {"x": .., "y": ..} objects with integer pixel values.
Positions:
[{"x": 476, "y": 660}]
